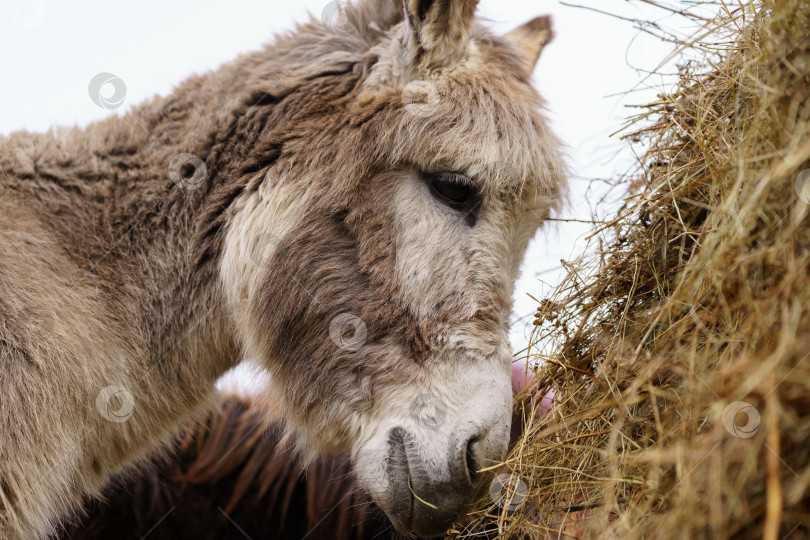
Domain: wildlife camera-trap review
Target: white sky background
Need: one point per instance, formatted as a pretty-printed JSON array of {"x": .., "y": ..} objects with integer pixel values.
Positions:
[{"x": 50, "y": 50}]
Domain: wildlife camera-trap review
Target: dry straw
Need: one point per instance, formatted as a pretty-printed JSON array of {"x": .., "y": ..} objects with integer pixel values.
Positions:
[{"x": 678, "y": 347}]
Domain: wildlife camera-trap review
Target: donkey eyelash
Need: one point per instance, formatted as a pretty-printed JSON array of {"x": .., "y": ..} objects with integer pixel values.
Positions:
[{"x": 452, "y": 178}]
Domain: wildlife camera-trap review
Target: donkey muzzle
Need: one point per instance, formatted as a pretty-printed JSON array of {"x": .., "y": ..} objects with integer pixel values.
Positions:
[{"x": 429, "y": 494}]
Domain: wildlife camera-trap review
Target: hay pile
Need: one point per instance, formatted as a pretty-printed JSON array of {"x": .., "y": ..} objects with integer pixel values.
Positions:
[{"x": 678, "y": 353}]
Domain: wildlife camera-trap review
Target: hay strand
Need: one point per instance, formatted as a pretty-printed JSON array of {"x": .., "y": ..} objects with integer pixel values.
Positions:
[{"x": 676, "y": 348}]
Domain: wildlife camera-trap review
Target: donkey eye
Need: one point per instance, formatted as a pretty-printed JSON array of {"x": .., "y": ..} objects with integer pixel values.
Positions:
[{"x": 453, "y": 189}]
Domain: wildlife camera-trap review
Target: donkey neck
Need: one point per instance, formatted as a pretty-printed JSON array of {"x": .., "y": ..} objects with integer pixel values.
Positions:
[{"x": 146, "y": 243}]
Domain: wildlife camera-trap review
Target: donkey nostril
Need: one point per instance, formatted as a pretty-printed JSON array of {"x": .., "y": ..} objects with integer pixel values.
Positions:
[{"x": 472, "y": 466}]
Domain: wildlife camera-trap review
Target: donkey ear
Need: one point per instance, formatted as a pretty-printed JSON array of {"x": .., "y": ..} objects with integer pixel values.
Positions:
[
  {"x": 440, "y": 28},
  {"x": 530, "y": 38}
]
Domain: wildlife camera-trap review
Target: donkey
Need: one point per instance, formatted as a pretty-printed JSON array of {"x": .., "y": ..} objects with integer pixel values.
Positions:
[{"x": 349, "y": 206}]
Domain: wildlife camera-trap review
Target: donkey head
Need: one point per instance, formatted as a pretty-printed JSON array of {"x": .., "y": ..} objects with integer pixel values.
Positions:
[{"x": 402, "y": 168}]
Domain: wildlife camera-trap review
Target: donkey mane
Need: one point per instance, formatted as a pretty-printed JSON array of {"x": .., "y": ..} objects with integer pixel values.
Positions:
[{"x": 228, "y": 473}]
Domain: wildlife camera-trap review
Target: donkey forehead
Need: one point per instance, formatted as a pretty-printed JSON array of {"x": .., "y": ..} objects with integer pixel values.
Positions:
[{"x": 482, "y": 118}]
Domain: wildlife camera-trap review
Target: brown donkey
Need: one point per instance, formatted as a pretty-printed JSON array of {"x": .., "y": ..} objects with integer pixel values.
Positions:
[
  {"x": 229, "y": 478},
  {"x": 349, "y": 206}
]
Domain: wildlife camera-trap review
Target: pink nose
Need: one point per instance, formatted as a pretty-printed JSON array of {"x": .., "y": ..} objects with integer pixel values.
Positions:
[{"x": 522, "y": 377}]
